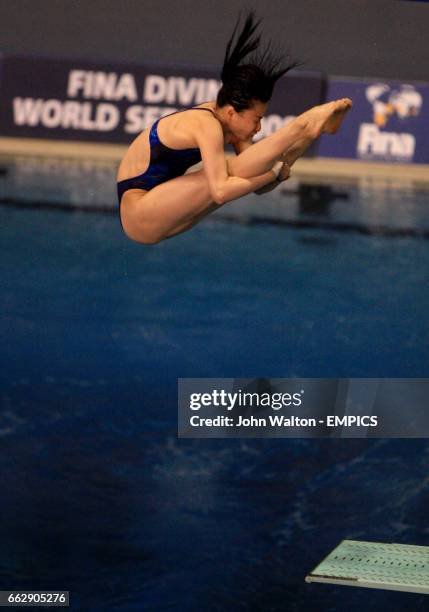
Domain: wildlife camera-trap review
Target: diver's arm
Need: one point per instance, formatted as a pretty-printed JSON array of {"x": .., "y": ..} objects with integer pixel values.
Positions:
[
  {"x": 283, "y": 176},
  {"x": 224, "y": 188},
  {"x": 242, "y": 145}
]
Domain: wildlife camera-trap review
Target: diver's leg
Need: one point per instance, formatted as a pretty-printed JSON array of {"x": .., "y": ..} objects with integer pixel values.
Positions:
[
  {"x": 166, "y": 210},
  {"x": 297, "y": 134}
]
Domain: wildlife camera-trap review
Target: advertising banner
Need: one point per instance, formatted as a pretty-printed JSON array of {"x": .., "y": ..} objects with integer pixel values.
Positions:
[
  {"x": 389, "y": 122},
  {"x": 96, "y": 101}
]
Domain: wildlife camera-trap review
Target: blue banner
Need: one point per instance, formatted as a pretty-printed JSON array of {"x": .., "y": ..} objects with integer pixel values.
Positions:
[
  {"x": 389, "y": 122},
  {"x": 96, "y": 101}
]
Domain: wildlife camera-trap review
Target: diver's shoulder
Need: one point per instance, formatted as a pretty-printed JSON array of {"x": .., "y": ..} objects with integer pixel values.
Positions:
[{"x": 208, "y": 107}]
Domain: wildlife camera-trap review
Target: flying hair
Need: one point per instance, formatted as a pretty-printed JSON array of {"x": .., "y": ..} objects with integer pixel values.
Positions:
[
  {"x": 250, "y": 71},
  {"x": 243, "y": 47}
]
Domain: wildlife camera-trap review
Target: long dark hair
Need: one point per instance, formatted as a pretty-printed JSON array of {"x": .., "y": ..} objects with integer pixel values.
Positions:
[{"x": 246, "y": 79}]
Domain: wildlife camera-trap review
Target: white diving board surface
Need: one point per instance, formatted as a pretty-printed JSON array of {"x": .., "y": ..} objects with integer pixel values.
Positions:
[{"x": 397, "y": 567}]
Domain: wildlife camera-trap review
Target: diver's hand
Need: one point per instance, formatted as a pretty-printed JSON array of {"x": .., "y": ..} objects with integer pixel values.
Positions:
[{"x": 284, "y": 173}]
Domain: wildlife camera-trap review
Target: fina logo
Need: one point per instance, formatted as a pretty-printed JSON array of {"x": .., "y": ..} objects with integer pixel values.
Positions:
[
  {"x": 373, "y": 143},
  {"x": 405, "y": 102}
]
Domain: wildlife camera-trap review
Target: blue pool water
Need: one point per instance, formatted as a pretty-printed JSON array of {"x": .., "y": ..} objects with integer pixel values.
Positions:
[{"x": 99, "y": 497}]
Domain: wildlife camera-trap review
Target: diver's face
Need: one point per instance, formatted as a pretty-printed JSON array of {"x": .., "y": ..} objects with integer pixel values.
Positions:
[{"x": 245, "y": 124}]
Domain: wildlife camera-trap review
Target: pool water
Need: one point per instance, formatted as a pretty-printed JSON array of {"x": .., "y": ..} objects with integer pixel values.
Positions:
[{"x": 99, "y": 497}]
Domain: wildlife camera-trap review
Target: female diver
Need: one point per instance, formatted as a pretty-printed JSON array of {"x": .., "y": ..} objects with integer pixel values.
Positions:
[{"x": 158, "y": 200}]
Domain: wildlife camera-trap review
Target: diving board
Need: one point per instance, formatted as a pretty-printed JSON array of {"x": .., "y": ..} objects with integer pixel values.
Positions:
[{"x": 396, "y": 567}]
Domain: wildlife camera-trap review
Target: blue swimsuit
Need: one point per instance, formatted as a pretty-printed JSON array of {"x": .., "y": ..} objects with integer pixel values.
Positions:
[{"x": 165, "y": 163}]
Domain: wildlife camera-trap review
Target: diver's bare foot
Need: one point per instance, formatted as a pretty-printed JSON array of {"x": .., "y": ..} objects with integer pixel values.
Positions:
[
  {"x": 327, "y": 117},
  {"x": 333, "y": 123}
]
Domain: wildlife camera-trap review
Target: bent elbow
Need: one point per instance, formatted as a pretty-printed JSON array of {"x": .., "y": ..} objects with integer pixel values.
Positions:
[{"x": 219, "y": 197}]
